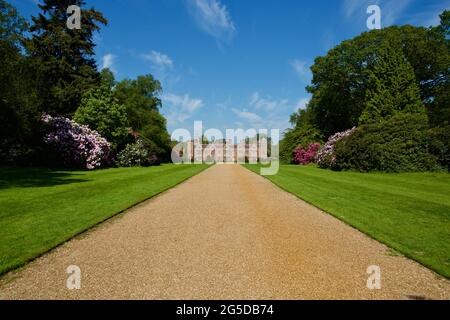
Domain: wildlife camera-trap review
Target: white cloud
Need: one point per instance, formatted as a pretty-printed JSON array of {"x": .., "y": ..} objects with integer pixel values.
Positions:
[
  {"x": 302, "y": 103},
  {"x": 180, "y": 108},
  {"x": 213, "y": 18},
  {"x": 264, "y": 113},
  {"x": 301, "y": 69},
  {"x": 266, "y": 104},
  {"x": 163, "y": 67},
  {"x": 391, "y": 10},
  {"x": 350, "y": 7},
  {"x": 108, "y": 61},
  {"x": 158, "y": 59},
  {"x": 251, "y": 117}
]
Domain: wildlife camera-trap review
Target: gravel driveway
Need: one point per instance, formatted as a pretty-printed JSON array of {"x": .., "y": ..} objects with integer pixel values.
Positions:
[{"x": 226, "y": 233}]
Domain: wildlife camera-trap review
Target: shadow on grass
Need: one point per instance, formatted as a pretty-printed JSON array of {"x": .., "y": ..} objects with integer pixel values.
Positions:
[{"x": 14, "y": 177}]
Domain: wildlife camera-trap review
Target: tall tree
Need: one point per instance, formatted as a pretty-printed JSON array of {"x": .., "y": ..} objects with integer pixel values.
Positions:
[
  {"x": 140, "y": 98},
  {"x": 341, "y": 78},
  {"x": 392, "y": 86},
  {"x": 18, "y": 113},
  {"x": 12, "y": 25},
  {"x": 107, "y": 78},
  {"x": 440, "y": 107},
  {"x": 444, "y": 27},
  {"x": 100, "y": 111},
  {"x": 63, "y": 57}
]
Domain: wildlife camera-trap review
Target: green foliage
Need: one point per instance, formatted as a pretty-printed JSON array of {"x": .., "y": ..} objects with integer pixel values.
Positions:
[
  {"x": 136, "y": 154},
  {"x": 342, "y": 77},
  {"x": 392, "y": 86},
  {"x": 375, "y": 76},
  {"x": 55, "y": 72},
  {"x": 19, "y": 115},
  {"x": 140, "y": 98},
  {"x": 439, "y": 144},
  {"x": 394, "y": 145},
  {"x": 30, "y": 225},
  {"x": 63, "y": 59},
  {"x": 439, "y": 109},
  {"x": 107, "y": 78},
  {"x": 156, "y": 136},
  {"x": 12, "y": 25},
  {"x": 101, "y": 112},
  {"x": 444, "y": 27}
]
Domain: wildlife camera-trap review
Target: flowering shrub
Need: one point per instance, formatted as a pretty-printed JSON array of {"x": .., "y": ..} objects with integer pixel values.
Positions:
[
  {"x": 77, "y": 144},
  {"x": 136, "y": 154},
  {"x": 326, "y": 157},
  {"x": 306, "y": 156}
]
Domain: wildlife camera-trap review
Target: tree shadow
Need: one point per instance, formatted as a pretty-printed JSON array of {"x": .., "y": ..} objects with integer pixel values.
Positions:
[{"x": 12, "y": 177}]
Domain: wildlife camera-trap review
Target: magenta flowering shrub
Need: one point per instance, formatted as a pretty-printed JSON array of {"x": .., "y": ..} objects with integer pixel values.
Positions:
[
  {"x": 77, "y": 144},
  {"x": 306, "y": 156},
  {"x": 326, "y": 157}
]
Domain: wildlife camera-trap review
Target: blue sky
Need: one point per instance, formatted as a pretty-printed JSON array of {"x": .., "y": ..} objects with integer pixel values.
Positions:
[{"x": 234, "y": 63}]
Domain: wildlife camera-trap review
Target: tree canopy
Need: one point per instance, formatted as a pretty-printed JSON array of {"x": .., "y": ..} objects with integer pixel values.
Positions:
[
  {"x": 392, "y": 86},
  {"x": 101, "y": 112},
  {"x": 342, "y": 78},
  {"x": 63, "y": 58},
  {"x": 374, "y": 76}
]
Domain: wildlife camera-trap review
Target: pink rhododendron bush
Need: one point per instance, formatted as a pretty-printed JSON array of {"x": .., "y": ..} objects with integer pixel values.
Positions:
[
  {"x": 77, "y": 144},
  {"x": 306, "y": 156},
  {"x": 326, "y": 157}
]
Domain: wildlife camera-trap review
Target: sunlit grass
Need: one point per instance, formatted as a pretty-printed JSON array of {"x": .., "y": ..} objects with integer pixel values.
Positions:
[{"x": 41, "y": 208}]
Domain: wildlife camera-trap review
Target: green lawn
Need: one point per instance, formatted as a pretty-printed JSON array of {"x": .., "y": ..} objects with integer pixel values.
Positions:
[
  {"x": 41, "y": 208},
  {"x": 409, "y": 212}
]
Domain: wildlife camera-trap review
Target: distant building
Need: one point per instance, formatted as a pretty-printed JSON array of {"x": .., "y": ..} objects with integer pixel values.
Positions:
[{"x": 224, "y": 151}]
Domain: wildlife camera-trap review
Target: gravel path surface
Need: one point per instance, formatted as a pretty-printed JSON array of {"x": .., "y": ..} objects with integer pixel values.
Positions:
[{"x": 226, "y": 233}]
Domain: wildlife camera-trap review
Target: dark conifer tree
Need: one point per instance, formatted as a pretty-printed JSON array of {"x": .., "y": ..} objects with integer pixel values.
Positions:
[
  {"x": 62, "y": 57},
  {"x": 392, "y": 86}
]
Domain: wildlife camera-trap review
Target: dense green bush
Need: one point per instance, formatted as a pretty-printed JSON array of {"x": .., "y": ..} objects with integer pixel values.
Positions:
[
  {"x": 136, "y": 154},
  {"x": 439, "y": 143},
  {"x": 392, "y": 87},
  {"x": 394, "y": 145},
  {"x": 101, "y": 112}
]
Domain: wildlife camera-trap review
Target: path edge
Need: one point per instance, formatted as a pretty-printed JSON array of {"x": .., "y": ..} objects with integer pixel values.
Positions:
[
  {"x": 16, "y": 269},
  {"x": 373, "y": 237}
]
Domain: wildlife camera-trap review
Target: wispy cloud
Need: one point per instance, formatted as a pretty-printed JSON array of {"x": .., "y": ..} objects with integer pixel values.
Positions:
[
  {"x": 264, "y": 112},
  {"x": 351, "y": 6},
  {"x": 251, "y": 117},
  {"x": 158, "y": 59},
  {"x": 213, "y": 18},
  {"x": 162, "y": 66},
  {"x": 266, "y": 104},
  {"x": 301, "y": 68},
  {"x": 392, "y": 10},
  {"x": 180, "y": 108},
  {"x": 302, "y": 103},
  {"x": 108, "y": 61}
]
